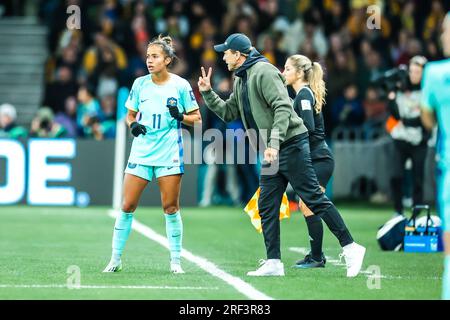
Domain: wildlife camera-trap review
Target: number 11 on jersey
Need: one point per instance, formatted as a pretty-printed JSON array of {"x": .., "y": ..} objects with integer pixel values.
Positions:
[{"x": 155, "y": 123}]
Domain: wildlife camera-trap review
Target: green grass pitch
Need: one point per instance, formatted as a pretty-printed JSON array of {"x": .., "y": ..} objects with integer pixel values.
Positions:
[{"x": 39, "y": 244}]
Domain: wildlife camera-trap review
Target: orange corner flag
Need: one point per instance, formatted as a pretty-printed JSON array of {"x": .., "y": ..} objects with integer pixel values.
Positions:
[{"x": 253, "y": 212}]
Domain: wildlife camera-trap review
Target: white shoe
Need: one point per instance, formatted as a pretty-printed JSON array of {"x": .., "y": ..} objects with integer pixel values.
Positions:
[
  {"x": 176, "y": 268},
  {"x": 270, "y": 267},
  {"x": 114, "y": 266},
  {"x": 354, "y": 256}
]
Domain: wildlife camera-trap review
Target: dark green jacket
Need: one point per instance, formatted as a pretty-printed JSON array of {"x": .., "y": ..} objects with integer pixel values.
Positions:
[
  {"x": 269, "y": 101},
  {"x": 14, "y": 132}
]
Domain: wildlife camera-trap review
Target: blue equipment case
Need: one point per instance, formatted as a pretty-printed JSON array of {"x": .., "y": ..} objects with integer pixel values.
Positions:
[{"x": 423, "y": 238}]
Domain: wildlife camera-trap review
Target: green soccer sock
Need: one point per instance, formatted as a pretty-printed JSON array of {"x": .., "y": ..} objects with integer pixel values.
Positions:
[
  {"x": 174, "y": 231},
  {"x": 122, "y": 230}
]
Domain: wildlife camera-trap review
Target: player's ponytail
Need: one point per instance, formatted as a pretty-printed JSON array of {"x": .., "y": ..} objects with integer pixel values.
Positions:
[
  {"x": 315, "y": 80},
  {"x": 166, "y": 44},
  {"x": 313, "y": 75}
]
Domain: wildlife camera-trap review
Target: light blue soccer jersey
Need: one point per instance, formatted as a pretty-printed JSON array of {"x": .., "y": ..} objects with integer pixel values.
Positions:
[
  {"x": 163, "y": 144},
  {"x": 436, "y": 97}
]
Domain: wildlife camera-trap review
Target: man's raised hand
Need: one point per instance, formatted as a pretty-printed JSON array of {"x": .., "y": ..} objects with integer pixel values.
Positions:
[{"x": 204, "y": 81}]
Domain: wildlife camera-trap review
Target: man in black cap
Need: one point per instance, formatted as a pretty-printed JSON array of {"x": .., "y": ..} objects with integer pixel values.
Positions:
[{"x": 261, "y": 100}]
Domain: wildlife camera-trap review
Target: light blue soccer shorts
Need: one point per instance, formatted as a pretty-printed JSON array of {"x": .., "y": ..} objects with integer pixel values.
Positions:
[{"x": 146, "y": 172}]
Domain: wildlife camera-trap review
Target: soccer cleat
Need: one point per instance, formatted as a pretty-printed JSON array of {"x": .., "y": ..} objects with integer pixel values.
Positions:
[
  {"x": 270, "y": 267},
  {"x": 309, "y": 256},
  {"x": 176, "y": 268},
  {"x": 354, "y": 256},
  {"x": 114, "y": 266},
  {"x": 308, "y": 262}
]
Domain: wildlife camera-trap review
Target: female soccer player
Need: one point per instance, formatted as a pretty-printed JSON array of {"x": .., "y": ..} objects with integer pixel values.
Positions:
[
  {"x": 163, "y": 100},
  {"x": 306, "y": 78}
]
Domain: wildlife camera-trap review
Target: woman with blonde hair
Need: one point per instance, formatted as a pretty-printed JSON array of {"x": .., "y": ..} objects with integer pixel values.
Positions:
[{"x": 306, "y": 78}]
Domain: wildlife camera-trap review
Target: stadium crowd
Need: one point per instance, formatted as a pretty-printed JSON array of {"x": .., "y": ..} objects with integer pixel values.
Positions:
[{"x": 87, "y": 66}]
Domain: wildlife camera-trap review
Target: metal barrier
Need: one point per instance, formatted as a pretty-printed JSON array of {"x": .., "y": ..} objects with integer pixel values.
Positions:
[{"x": 364, "y": 164}]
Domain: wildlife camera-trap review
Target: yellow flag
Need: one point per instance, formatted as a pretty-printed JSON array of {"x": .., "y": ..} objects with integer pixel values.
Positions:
[{"x": 253, "y": 212}]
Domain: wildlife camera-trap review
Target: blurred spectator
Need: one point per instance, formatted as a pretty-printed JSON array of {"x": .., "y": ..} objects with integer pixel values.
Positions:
[
  {"x": 106, "y": 73},
  {"x": 413, "y": 48},
  {"x": 58, "y": 91},
  {"x": 240, "y": 16},
  {"x": 434, "y": 20},
  {"x": 44, "y": 126},
  {"x": 201, "y": 39},
  {"x": 88, "y": 108},
  {"x": 175, "y": 22},
  {"x": 407, "y": 17},
  {"x": 432, "y": 51},
  {"x": 8, "y": 126},
  {"x": 375, "y": 111},
  {"x": 68, "y": 118},
  {"x": 103, "y": 50},
  {"x": 108, "y": 125},
  {"x": 180, "y": 66},
  {"x": 370, "y": 66},
  {"x": 348, "y": 110},
  {"x": 109, "y": 50},
  {"x": 211, "y": 188},
  {"x": 271, "y": 52},
  {"x": 335, "y": 16}
]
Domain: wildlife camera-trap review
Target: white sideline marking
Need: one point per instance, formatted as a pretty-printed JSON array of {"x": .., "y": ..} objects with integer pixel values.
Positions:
[
  {"x": 102, "y": 287},
  {"x": 239, "y": 284}
]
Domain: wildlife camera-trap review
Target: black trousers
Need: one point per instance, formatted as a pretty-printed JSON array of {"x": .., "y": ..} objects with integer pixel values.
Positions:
[
  {"x": 418, "y": 154},
  {"x": 323, "y": 166},
  {"x": 294, "y": 166}
]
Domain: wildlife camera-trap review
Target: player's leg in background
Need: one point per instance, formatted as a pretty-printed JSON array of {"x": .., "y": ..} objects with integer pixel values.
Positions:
[
  {"x": 315, "y": 231},
  {"x": 399, "y": 160},
  {"x": 418, "y": 157},
  {"x": 132, "y": 190},
  {"x": 324, "y": 169},
  {"x": 443, "y": 189},
  {"x": 169, "y": 187},
  {"x": 446, "y": 277}
]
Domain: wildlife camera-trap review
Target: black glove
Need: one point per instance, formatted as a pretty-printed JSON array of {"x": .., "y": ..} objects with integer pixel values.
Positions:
[
  {"x": 175, "y": 113},
  {"x": 137, "y": 129},
  {"x": 172, "y": 104}
]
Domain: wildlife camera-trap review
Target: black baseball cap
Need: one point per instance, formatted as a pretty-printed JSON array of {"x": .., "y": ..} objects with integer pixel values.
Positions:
[{"x": 237, "y": 41}]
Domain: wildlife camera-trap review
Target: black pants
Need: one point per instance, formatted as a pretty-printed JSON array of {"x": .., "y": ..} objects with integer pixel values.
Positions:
[
  {"x": 323, "y": 166},
  {"x": 405, "y": 150},
  {"x": 294, "y": 166}
]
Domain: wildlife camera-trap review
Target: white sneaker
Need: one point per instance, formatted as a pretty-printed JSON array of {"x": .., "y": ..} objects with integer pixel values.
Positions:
[
  {"x": 354, "y": 256},
  {"x": 176, "y": 268},
  {"x": 270, "y": 267},
  {"x": 114, "y": 266}
]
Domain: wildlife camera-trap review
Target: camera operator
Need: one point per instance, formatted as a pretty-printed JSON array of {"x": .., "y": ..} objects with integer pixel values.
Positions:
[
  {"x": 410, "y": 137},
  {"x": 44, "y": 126}
]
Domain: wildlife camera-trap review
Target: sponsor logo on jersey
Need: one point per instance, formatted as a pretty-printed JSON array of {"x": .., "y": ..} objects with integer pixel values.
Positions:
[
  {"x": 191, "y": 93},
  {"x": 132, "y": 165}
]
